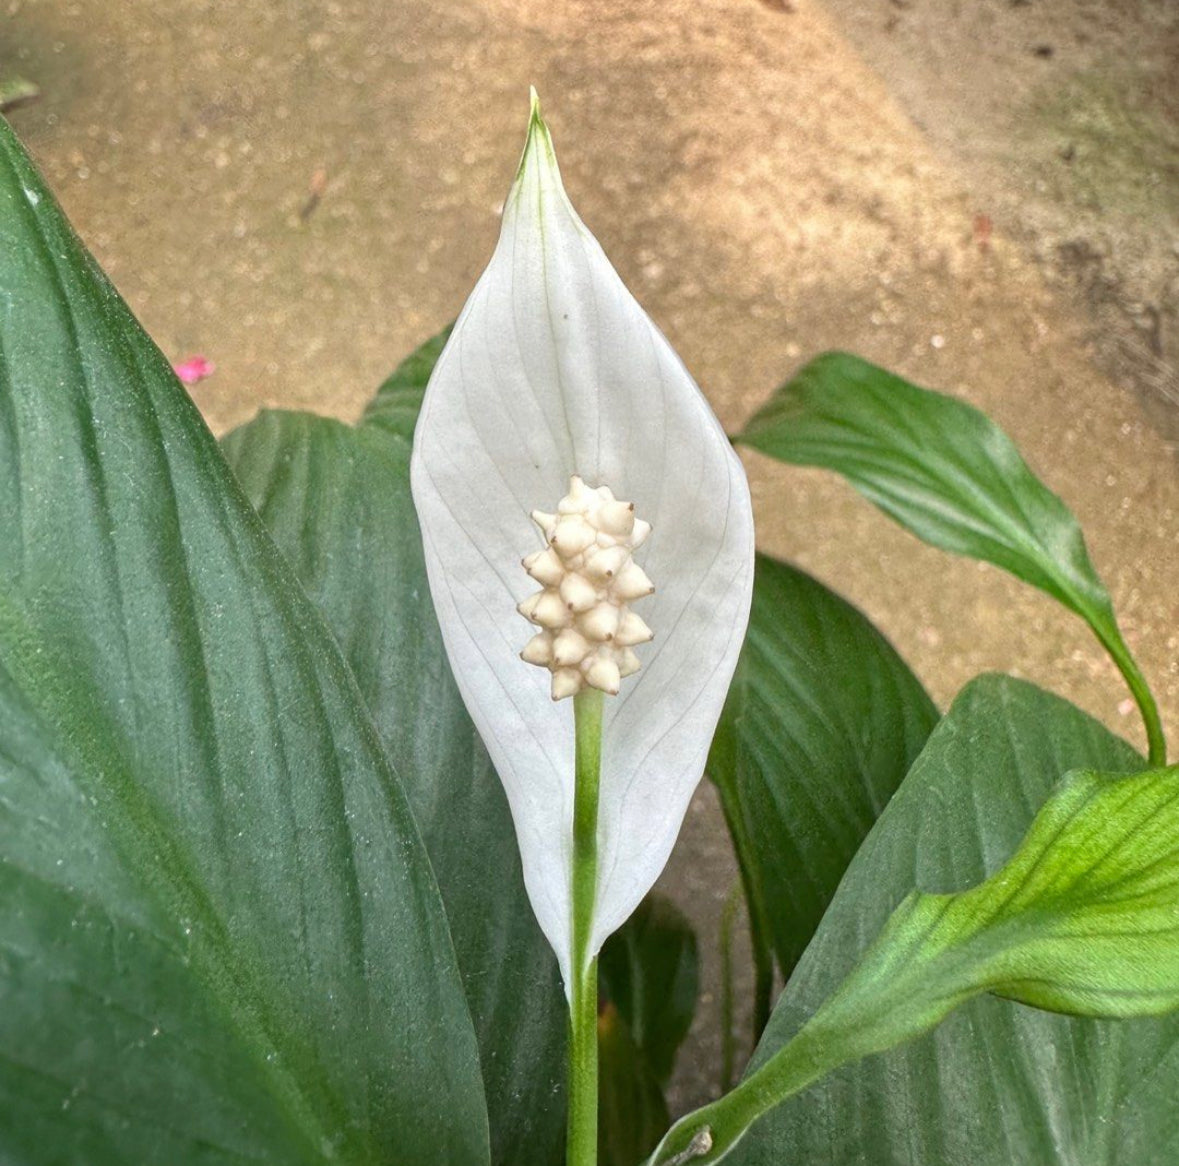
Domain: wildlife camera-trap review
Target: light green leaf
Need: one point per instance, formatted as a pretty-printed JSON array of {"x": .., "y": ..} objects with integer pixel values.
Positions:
[
  {"x": 220, "y": 938},
  {"x": 650, "y": 972},
  {"x": 820, "y": 726},
  {"x": 951, "y": 476},
  {"x": 1083, "y": 917},
  {"x": 336, "y": 499}
]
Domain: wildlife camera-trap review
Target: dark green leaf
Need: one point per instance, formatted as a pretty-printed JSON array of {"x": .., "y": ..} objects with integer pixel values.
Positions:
[
  {"x": 632, "y": 1113},
  {"x": 336, "y": 499},
  {"x": 821, "y": 724},
  {"x": 950, "y": 475},
  {"x": 649, "y": 971},
  {"x": 935, "y": 464},
  {"x": 399, "y": 400},
  {"x": 996, "y": 1083},
  {"x": 220, "y": 938}
]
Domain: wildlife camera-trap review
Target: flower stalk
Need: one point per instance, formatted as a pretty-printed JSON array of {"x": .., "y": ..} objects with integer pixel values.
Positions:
[{"x": 581, "y": 1147}]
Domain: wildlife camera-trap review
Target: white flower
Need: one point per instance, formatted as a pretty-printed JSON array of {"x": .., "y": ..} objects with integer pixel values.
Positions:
[{"x": 554, "y": 373}]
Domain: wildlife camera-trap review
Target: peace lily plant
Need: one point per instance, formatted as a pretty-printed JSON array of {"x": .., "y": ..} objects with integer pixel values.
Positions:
[{"x": 337, "y": 762}]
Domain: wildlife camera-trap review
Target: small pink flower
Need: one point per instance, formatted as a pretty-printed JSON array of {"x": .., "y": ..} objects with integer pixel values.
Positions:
[{"x": 194, "y": 369}]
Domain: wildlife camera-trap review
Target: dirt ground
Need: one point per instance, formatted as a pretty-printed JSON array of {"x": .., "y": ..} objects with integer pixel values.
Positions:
[{"x": 983, "y": 196}]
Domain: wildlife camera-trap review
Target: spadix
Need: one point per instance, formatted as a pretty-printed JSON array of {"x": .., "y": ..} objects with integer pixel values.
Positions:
[{"x": 589, "y": 580}]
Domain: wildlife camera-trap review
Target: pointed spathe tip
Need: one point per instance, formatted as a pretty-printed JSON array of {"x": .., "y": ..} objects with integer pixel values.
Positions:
[
  {"x": 538, "y": 145},
  {"x": 539, "y": 175}
]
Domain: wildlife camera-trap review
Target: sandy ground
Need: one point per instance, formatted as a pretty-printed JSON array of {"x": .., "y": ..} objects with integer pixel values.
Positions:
[{"x": 981, "y": 196}]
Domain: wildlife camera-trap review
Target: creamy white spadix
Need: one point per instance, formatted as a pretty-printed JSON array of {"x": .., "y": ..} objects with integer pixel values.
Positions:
[
  {"x": 554, "y": 385},
  {"x": 588, "y": 580}
]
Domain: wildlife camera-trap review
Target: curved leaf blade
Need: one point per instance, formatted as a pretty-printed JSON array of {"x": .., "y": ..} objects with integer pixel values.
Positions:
[
  {"x": 336, "y": 500},
  {"x": 938, "y": 466},
  {"x": 1084, "y": 920},
  {"x": 993, "y": 1083},
  {"x": 220, "y": 938},
  {"x": 948, "y": 474},
  {"x": 822, "y": 722}
]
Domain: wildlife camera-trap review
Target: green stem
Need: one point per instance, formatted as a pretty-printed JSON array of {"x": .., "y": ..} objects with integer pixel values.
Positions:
[
  {"x": 1111, "y": 640},
  {"x": 581, "y": 1146}
]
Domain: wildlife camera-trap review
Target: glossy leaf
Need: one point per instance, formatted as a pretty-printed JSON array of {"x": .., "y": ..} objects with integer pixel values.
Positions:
[
  {"x": 949, "y": 474},
  {"x": 336, "y": 499},
  {"x": 996, "y": 1082},
  {"x": 822, "y": 722},
  {"x": 220, "y": 937},
  {"x": 649, "y": 971},
  {"x": 554, "y": 370}
]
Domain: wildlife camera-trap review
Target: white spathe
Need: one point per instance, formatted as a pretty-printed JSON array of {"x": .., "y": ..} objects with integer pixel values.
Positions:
[{"x": 553, "y": 370}]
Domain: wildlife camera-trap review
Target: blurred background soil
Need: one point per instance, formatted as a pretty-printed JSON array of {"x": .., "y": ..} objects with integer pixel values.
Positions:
[{"x": 980, "y": 194}]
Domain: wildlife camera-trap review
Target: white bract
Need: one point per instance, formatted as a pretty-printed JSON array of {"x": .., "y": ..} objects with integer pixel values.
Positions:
[{"x": 556, "y": 385}]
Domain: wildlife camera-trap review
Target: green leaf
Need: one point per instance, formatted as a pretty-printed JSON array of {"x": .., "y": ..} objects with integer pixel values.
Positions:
[
  {"x": 947, "y": 473},
  {"x": 336, "y": 499},
  {"x": 1084, "y": 918},
  {"x": 823, "y": 721},
  {"x": 632, "y": 1112},
  {"x": 399, "y": 400},
  {"x": 220, "y": 937},
  {"x": 649, "y": 970},
  {"x": 1088, "y": 904}
]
